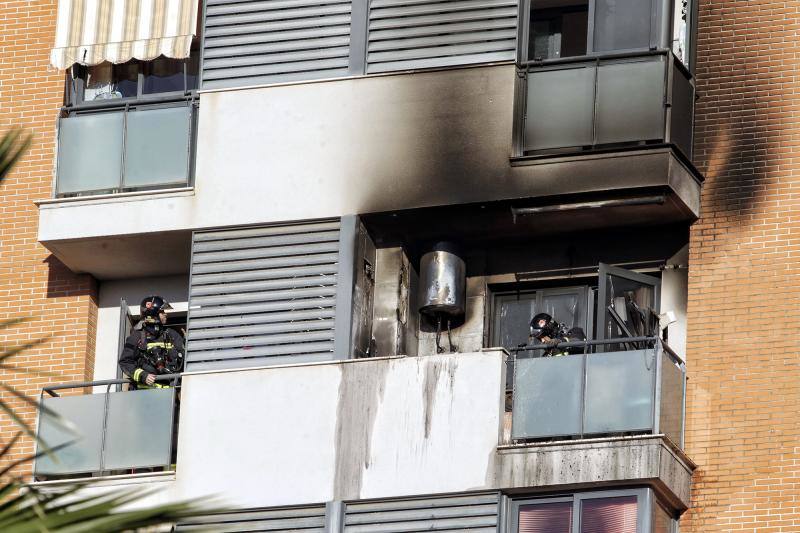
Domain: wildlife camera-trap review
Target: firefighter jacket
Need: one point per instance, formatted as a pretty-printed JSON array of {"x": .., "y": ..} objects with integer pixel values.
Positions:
[
  {"x": 573, "y": 335},
  {"x": 142, "y": 351}
]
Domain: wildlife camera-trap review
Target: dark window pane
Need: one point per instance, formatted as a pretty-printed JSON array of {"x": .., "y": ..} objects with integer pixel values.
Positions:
[
  {"x": 99, "y": 83},
  {"x": 546, "y": 518},
  {"x": 621, "y": 25},
  {"x": 558, "y": 29},
  {"x": 512, "y": 322},
  {"x": 192, "y": 68},
  {"x": 565, "y": 308},
  {"x": 126, "y": 77},
  {"x": 106, "y": 81},
  {"x": 163, "y": 75},
  {"x": 609, "y": 515}
]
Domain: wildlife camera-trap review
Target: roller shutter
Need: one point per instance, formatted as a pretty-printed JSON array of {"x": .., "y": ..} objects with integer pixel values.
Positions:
[
  {"x": 264, "y": 295},
  {"x": 409, "y": 34},
  {"x": 249, "y": 42},
  {"x": 295, "y": 519},
  {"x": 472, "y": 512}
]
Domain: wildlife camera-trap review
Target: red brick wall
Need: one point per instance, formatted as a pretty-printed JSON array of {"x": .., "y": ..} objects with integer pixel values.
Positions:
[
  {"x": 743, "y": 425},
  {"x": 33, "y": 284}
]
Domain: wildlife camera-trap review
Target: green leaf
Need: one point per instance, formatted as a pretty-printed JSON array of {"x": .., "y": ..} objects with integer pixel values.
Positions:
[{"x": 13, "y": 146}]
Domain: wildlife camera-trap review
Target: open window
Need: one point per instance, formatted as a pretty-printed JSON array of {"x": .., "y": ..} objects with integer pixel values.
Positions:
[
  {"x": 556, "y": 29},
  {"x": 129, "y": 321},
  {"x": 628, "y": 304}
]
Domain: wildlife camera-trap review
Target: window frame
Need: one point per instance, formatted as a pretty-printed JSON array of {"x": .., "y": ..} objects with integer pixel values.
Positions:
[
  {"x": 77, "y": 74},
  {"x": 660, "y": 31},
  {"x": 645, "y": 502},
  {"x": 586, "y": 295}
]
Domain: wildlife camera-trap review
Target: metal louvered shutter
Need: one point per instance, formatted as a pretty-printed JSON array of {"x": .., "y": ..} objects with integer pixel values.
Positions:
[
  {"x": 261, "y": 296},
  {"x": 299, "y": 519},
  {"x": 472, "y": 512},
  {"x": 249, "y": 42},
  {"x": 408, "y": 34}
]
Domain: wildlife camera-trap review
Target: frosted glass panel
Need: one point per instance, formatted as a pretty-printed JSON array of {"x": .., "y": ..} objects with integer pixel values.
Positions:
[
  {"x": 85, "y": 413},
  {"x": 547, "y": 396},
  {"x": 619, "y": 391},
  {"x": 127, "y": 445},
  {"x": 672, "y": 390},
  {"x": 630, "y": 101},
  {"x": 560, "y": 107},
  {"x": 157, "y": 147},
  {"x": 90, "y": 152}
]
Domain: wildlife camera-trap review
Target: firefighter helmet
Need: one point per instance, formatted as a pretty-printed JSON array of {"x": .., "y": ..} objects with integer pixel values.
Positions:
[{"x": 543, "y": 325}]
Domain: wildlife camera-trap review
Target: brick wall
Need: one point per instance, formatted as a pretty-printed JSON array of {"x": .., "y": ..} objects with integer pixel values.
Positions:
[
  {"x": 33, "y": 284},
  {"x": 743, "y": 424}
]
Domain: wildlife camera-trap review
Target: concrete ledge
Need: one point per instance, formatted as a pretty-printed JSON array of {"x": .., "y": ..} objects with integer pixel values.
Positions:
[{"x": 572, "y": 465}]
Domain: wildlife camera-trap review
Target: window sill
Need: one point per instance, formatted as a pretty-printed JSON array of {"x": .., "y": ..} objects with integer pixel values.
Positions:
[
  {"x": 116, "y": 197},
  {"x": 116, "y": 480}
]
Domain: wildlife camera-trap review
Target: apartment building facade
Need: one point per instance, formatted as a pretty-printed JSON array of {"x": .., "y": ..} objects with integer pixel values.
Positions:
[{"x": 355, "y": 209}]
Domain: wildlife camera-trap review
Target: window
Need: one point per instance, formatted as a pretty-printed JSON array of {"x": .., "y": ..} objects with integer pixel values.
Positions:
[
  {"x": 624, "y": 511},
  {"x": 571, "y": 28},
  {"x": 558, "y": 29},
  {"x": 134, "y": 79},
  {"x": 130, "y": 322},
  {"x": 512, "y": 313}
]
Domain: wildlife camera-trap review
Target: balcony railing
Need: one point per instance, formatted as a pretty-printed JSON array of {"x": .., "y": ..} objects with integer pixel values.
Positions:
[
  {"x": 608, "y": 101},
  {"x": 112, "y": 432},
  {"x": 125, "y": 148},
  {"x": 636, "y": 391}
]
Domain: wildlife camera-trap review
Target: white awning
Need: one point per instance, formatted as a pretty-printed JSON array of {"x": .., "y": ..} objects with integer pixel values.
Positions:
[{"x": 92, "y": 31}]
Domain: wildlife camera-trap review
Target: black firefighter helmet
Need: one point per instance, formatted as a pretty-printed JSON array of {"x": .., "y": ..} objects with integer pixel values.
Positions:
[
  {"x": 543, "y": 325},
  {"x": 150, "y": 308}
]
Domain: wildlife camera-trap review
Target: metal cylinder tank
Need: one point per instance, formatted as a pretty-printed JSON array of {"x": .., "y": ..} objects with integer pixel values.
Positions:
[{"x": 442, "y": 283}]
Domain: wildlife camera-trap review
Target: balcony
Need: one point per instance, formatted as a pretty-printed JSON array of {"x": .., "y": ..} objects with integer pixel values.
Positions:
[
  {"x": 109, "y": 433},
  {"x": 635, "y": 391},
  {"x": 613, "y": 101},
  {"x": 109, "y": 148},
  {"x": 349, "y": 430}
]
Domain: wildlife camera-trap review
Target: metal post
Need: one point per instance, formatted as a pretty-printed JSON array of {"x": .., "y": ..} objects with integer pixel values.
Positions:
[
  {"x": 105, "y": 427},
  {"x": 656, "y": 423}
]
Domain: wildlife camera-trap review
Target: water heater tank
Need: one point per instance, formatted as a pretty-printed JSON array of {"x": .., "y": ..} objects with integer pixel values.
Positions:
[{"x": 442, "y": 283}]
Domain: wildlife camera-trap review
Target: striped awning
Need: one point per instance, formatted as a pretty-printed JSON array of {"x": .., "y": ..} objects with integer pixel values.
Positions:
[{"x": 92, "y": 31}]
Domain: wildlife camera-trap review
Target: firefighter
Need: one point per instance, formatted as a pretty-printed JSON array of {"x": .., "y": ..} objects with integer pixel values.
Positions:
[
  {"x": 153, "y": 348},
  {"x": 547, "y": 331}
]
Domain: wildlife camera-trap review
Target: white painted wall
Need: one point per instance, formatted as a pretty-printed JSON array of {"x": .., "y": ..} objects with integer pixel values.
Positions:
[
  {"x": 174, "y": 288},
  {"x": 674, "y": 297},
  {"x": 345, "y": 430},
  {"x": 313, "y": 150},
  {"x": 377, "y": 428}
]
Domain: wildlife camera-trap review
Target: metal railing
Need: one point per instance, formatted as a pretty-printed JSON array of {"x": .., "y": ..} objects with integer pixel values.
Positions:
[
  {"x": 638, "y": 387},
  {"x": 114, "y": 431}
]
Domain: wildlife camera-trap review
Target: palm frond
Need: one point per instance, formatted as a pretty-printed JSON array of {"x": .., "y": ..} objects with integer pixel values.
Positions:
[
  {"x": 71, "y": 511},
  {"x": 12, "y": 147}
]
